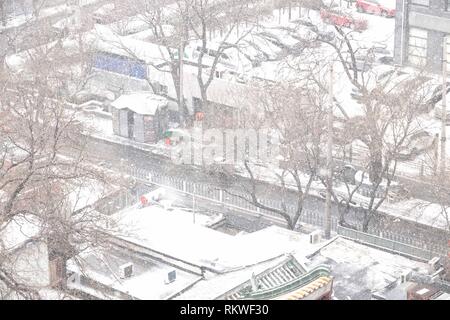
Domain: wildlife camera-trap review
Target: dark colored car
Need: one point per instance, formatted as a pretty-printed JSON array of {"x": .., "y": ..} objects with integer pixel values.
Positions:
[{"x": 416, "y": 144}]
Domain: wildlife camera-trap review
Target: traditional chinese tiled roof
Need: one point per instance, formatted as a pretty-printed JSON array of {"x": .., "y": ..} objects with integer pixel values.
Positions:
[
  {"x": 308, "y": 289},
  {"x": 286, "y": 278}
]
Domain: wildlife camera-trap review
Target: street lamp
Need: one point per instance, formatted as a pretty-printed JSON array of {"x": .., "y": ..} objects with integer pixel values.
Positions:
[{"x": 444, "y": 107}]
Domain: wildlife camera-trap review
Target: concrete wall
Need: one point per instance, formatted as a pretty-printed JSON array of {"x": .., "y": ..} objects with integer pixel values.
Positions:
[
  {"x": 139, "y": 135},
  {"x": 123, "y": 123}
]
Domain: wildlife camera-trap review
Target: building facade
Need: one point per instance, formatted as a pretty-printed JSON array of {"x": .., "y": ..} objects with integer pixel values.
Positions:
[{"x": 420, "y": 29}]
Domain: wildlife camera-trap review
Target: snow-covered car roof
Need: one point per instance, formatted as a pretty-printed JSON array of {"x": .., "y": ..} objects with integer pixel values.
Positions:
[
  {"x": 105, "y": 9},
  {"x": 390, "y": 4}
]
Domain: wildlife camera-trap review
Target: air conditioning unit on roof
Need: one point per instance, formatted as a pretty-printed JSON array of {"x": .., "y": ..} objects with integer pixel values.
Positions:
[
  {"x": 315, "y": 237},
  {"x": 171, "y": 277},
  {"x": 126, "y": 270},
  {"x": 405, "y": 276}
]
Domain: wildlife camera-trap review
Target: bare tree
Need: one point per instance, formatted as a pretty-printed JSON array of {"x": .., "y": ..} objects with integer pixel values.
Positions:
[
  {"x": 389, "y": 104},
  {"x": 44, "y": 167},
  {"x": 295, "y": 115},
  {"x": 226, "y": 16},
  {"x": 168, "y": 25}
]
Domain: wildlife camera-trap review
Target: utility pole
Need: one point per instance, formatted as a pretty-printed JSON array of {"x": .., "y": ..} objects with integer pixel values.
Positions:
[
  {"x": 183, "y": 38},
  {"x": 193, "y": 208},
  {"x": 329, "y": 177},
  {"x": 180, "y": 75},
  {"x": 444, "y": 108}
]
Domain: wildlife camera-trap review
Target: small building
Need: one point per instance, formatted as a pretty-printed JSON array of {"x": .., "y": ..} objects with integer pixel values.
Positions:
[{"x": 140, "y": 116}]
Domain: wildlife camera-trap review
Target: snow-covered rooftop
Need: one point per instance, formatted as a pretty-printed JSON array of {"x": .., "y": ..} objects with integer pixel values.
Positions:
[
  {"x": 145, "y": 103},
  {"x": 176, "y": 234},
  {"x": 149, "y": 279},
  {"x": 214, "y": 287},
  {"x": 359, "y": 270}
]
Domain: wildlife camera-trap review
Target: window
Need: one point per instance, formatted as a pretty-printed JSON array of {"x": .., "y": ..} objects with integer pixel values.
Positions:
[
  {"x": 424, "y": 3},
  {"x": 417, "y": 47}
]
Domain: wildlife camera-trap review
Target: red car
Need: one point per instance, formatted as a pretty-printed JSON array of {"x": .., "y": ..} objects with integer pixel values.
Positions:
[
  {"x": 385, "y": 8},
  {"x": 342, "y": 19}
]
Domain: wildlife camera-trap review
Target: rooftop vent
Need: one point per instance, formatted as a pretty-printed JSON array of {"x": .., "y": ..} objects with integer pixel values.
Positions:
[
  {"x": 434, "y": 264},
  {"x": 315, "y": 237},
  {"x": 126, "y": 270},
  {"x": 405, "y": 276},
  {"x": 423, "y": 291},
  {"x": 171, "y": 277}
]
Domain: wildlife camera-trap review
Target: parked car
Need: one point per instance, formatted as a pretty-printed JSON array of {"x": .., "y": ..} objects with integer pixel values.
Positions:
[
  {"x": 347, "y": 173},
  {"x": 130, "y": 25},
  {"x": 366, "y": 187},
  {"x": 325, "y": 35},
  {"x": 367, "y": 57},
  {"x": 83, "y": 96},
  {"x": 306, "y": 23},
  {"x": 105, "y": 14},
  {"x": 382, "y": 8},
  {"x": 341, "y": 18},
  {"x": 363, "y": 64},
  {"x": 416, "y": 144},
  {"x": 438, "y": 109},
  {"x": 436, "y": 96},
  {"x": 174, "y": 136}
]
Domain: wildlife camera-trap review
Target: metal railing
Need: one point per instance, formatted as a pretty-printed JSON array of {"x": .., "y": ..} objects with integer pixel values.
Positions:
[
  {"x": 388, "y": 244},
  {"x": 234, "y": 200}
]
